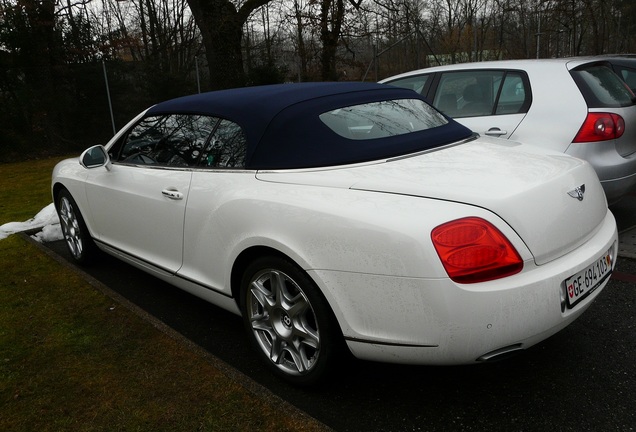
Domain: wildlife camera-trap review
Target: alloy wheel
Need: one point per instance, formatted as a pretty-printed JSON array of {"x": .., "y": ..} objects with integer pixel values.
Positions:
[
  {"x": 283, "y": 322},
  {"x": 71, "y": 227}
]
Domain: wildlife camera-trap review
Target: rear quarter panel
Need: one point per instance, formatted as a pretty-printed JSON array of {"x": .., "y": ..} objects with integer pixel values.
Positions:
[
  {"x": 320, "y": 228},
  {"x": 557, "y": 111}
]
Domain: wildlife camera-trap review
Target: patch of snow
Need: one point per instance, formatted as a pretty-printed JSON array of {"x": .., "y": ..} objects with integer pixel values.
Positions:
[{"x": 46, "y": 220}]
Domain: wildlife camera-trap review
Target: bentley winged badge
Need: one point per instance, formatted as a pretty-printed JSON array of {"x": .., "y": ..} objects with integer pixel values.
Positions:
[{"x": 578, "y": 192}]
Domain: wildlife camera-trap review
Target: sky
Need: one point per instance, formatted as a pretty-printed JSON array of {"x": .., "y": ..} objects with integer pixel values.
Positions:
[{"x": 46, "y": 221}]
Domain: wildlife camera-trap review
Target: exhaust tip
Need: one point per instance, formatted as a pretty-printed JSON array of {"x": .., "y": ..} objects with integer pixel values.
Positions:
[{"x": 501, "y": 353}]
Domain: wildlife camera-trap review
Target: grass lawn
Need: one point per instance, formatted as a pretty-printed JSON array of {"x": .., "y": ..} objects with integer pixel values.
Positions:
[
  {"x": 71, "y": 358},
  {"x": 25, "y": 189}
]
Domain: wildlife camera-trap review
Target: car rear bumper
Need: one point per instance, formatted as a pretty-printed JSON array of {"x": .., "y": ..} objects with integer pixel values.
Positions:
[
  {"x": 616, "y": 173},
  {"x": 436, "y": 321},
  {"x": 616, "y": 189}
]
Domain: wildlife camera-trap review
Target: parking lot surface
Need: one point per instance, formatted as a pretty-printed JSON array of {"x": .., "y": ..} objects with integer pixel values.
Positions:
[{"x": 580, "y": 379}]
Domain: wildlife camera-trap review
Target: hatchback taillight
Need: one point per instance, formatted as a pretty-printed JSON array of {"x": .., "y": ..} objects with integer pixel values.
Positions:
[
  {"x": 600, "y": 127},
  {"x": 473, "y": 250}
]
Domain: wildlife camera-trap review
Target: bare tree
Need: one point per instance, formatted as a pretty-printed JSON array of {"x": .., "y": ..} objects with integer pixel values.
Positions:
[{"x": 221, "y": 25}]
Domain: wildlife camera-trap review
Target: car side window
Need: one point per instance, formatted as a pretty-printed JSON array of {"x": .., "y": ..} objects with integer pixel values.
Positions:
[
  {"x": 478, "y": 93},
  {"x": 513, "y": 94},
  {"x": 468, "y": 93},
  {"x": 416, "y": 83},
  {"x": 174, "y": 140},
  {"x": 226, "y": 148}
]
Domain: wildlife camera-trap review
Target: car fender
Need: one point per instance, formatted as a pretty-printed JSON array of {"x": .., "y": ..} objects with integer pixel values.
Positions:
[{"x": 69, "y": 174}]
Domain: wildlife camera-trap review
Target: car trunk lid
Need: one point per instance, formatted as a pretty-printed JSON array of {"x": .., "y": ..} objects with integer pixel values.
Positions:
[{"x": 554, "y": 202}]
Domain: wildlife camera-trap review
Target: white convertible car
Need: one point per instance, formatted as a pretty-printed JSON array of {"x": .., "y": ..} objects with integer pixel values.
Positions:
[{"x": 338, "y": 216}]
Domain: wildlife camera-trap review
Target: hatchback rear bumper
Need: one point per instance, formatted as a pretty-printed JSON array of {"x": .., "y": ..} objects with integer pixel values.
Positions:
[{"x": 616, "y": 173}]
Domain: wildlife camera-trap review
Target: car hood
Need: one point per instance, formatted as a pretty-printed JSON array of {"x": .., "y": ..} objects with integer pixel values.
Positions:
[{"x": 535, "y": 192}]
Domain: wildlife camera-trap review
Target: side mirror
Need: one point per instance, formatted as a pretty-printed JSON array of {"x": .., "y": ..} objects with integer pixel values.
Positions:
[{"x": 95, "y": 157}]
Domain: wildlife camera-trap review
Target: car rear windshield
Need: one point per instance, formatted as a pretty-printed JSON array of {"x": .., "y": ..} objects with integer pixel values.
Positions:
[
  {"x": 601, "y": 87},
  {"x": 351, "y": 128},
  {"x": 383, "y": 119}
]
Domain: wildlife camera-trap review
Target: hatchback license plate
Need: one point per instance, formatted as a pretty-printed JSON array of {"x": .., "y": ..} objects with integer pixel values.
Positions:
[{"x": 585, "y": 282}]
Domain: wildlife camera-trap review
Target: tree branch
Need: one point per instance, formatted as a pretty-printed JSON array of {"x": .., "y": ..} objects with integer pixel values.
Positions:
[{"x": 248, "y": 7}]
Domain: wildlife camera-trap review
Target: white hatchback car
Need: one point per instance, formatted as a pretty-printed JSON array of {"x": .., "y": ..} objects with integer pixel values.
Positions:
[
  {"x": 334, "y": 215},
  {"x": 576, "y": 106}
]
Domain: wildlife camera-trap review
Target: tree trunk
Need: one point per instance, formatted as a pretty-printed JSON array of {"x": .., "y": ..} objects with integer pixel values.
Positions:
[
  {"x": 221, "y": 30},
  {"x": 302, "y": 50},
  {"x": 41, "y": 59},
  {"x": 221, "y": 26},
  {"x": 330, "y": 35}
]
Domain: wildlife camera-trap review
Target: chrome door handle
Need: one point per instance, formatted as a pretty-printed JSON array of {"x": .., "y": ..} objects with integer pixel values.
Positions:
[
  {"x": 172, "y": 194},
  {"x": 496, "y": 132}
]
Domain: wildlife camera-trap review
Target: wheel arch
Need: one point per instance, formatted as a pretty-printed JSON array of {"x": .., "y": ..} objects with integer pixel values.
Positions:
[
  {"x": 246, "y": 257},
  {"x": 74, "y": 229},
  {"x": 57, "y": 188},
  {"x": 243, "y": 260}
]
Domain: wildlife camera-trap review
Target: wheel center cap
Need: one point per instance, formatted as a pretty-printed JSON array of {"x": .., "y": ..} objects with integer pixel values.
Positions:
[{"x": 285, "y": 320}]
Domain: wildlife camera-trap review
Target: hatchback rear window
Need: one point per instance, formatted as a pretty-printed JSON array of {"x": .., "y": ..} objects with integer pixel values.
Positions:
[{"x": 601, "y": 87}]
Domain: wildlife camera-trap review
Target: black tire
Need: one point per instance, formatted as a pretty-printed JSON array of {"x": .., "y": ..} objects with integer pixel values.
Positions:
[
  {"x": 78, "y": 239},
  {"x": 288, "y": 321}
]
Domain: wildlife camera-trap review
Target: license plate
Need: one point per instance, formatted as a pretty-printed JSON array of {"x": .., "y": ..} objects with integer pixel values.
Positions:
[{"x": 585, "y": 282}]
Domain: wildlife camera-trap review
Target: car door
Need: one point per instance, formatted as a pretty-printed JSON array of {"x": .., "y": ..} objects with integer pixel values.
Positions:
[
  {"x": 218, "y": 184},
  {"x": 489, "y": 102},
  {"x": 139, "y": 204}
]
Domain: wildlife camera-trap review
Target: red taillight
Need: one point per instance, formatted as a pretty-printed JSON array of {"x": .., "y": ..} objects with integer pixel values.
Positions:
[
  {"x": 600, "y": 127},
  {"x": 473, "y": 250}
]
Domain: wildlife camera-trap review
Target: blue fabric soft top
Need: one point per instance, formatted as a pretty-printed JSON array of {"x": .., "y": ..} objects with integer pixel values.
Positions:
[{"x": 283, "y": 128}]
